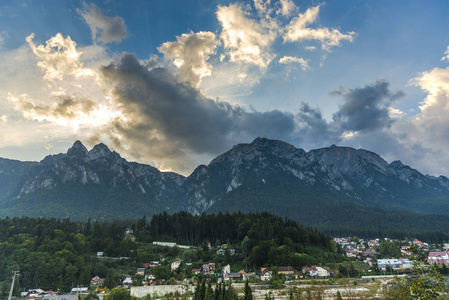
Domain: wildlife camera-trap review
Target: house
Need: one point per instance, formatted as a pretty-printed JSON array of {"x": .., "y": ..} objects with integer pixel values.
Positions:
[
  {"x": 97, "y": 282},
  {"x": 127, "y": 280},
  {"x": 80, "y": 291},
  {"x": 209, "y": 268},
  {"x": 246, "y": 276},
  {"x": 316, "y": 271},
  {"x": 351, "y": 253},
  {"x": 38, "y": 293},
  {"x": 438, "y": 257},
  {"x": 153, "y": 264},
  {"x": 417, "y": 242},
  {"x": 395, "y": 264},
  {"x": 265, "y": 274},
  {"x": 195, "y": 271},
  {"x": 322, "y": 272},
  {"x": 175, "y": 265},
  {"x": 233, "y": 276},
  {"x": 406, "y": 250},
  {"x": 140, "y": 271},
  {"x": 286, "y": 271}
]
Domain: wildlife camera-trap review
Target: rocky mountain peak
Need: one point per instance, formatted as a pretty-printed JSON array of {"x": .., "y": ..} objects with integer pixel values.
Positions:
[
  {"x": 100, "y": 150},
  {"x": 78, "y": 149},
  {"x": 349, "y": 160},
  {"x": 397, "y": 164}
]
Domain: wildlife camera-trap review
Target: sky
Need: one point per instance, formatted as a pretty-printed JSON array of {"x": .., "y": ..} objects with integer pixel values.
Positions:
[{"x": 175, "y": 83}]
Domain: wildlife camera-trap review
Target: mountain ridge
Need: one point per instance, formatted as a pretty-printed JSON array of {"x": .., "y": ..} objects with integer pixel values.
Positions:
[{"x": 319, "y": 187}]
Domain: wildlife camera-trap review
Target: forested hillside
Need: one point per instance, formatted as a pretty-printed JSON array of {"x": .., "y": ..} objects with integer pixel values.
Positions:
[{"x": 59, "y": 254}]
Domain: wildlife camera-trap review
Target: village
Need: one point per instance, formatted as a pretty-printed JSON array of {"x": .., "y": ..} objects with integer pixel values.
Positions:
[{"x": 370, "y": 266}]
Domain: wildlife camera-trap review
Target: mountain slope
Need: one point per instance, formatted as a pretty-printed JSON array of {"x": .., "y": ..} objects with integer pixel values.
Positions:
[
  {"x": 334, "y": 186},
  {"x": 97, "y": 183},
  {"x": 268, "y": 174}
]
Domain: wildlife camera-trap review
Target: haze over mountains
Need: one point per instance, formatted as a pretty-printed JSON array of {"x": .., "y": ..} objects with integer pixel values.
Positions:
[{"x": 334, "y": 186}]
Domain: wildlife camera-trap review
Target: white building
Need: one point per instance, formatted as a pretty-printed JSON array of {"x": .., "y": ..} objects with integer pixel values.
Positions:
[
  {"x": 318, "y": 272},
  {"x": 175, "y": 265},
  {"x": 395, "y": 263}
]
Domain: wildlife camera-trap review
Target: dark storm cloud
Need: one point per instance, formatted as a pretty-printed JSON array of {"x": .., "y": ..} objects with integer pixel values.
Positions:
[
  {"x": 366, "y": 108},
  {"x": 172, "y": 117},
  {"x": 315, "y": 131}
]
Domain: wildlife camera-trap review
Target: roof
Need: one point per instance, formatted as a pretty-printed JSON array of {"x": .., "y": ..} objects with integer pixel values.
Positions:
[{"x": 437, "y": 253}]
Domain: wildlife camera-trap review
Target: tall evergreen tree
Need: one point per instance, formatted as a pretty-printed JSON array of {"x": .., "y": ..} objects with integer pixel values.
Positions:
[
  {"x": 209, "y": 294},
  {"x": 248, "y": 293}
]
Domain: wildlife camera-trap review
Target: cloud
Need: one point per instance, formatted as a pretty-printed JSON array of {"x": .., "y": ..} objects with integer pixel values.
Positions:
[
  {"x": 364, "y": 116},
  {"x": 262, "y": 6},
  {"x": 66, "y": 111},
  {"x": 298, "y": 30},
  {"x": 286, "y": 8},
  {"x": 314, "y": 130},
  {"x": 245, "y": 40},
  {"x": 190, "y": 53},
  {"x": 290, "y": 59},
  {"x": 429, "y": 127},
  {"x": 59, "y": 58},
  {"x": 366, "y": 108},
  {"x": 104, "y": 29},
  {"x": 446, "y": 54},
  {"x": 169, "y": 120}
]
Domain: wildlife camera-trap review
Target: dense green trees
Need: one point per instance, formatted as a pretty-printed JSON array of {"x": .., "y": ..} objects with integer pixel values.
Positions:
[
  {"x": 59, "y": 254},
  {"x": 389, "y": 249},
  {"x": 118, "y": 294},
  {"x": 204, "y": 291},
  {"x": 265, "y": 239}
]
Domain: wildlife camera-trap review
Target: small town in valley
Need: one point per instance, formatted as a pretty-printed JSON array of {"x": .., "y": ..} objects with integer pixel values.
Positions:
[{"x": 370, "y": 269}]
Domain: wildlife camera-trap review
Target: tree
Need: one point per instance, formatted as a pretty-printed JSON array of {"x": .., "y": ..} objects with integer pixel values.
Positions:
[
  {"x": 389, "y": 249},
  {"x": 248, "y": 293},
  {"x": 4, "y": 290},
  {"x": 118, "y": 294},
  {"x": 91, "y": 296},
  {"x": 209, "y": 294},
  {"x": 160, "y": 272},
  {"x": 111, "y": 280}
]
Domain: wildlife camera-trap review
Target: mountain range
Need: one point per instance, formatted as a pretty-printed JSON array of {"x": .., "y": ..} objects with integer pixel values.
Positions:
[{"x": 334, "y": 186}]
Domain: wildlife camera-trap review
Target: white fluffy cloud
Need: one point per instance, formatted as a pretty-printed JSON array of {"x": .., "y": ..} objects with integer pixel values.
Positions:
[
  {"x": 245, "y": 40},
  {"x": 298, "y": 30},
  {"x": 286, "y": 8},
  {"x": 104, "y": 29},
  {"x": 65, "y": 92},
  {"x": 64, "y": 111},
  {"x": 290, "y": 59},
  {"x": 59, "y": 58},
  {"x": 190, "y": 53}
]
